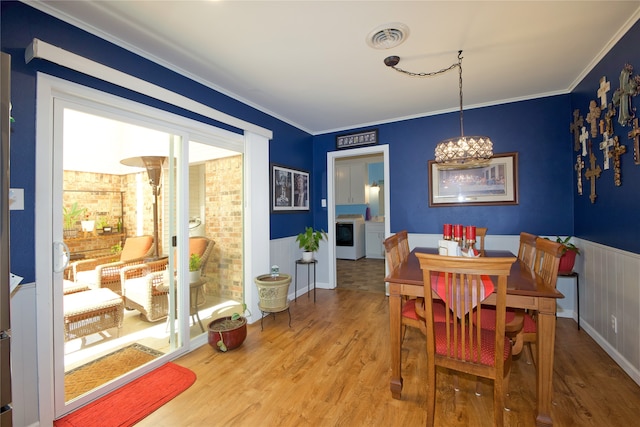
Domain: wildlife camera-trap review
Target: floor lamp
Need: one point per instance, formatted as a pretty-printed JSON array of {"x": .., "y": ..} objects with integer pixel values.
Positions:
[{"x": 153, "y": 164}]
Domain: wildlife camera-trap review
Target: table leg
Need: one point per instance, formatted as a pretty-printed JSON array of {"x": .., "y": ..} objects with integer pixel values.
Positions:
[
  {"x": 395, "y": 343},
  {"x": 546, "y": 337},
  {"x": 314, "y": 286}
]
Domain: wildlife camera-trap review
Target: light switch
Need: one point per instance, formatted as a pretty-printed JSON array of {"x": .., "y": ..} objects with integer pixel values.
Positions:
[
  {"x": 16, "y": 199},
  {"x": 323, "y": 203}
]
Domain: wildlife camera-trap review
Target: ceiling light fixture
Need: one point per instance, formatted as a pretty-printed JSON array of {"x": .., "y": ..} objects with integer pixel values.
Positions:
[{"x": 457, "y": 152}]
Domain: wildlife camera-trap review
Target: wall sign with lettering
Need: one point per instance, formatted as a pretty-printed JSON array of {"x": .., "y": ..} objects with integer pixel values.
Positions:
[{"x": 359, "y": 139}]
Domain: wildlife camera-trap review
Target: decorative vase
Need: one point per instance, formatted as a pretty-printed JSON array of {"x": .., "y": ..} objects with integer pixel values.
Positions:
[
  {"x": 232, "y": 332},
  {"x": 273, "y": 291},
  {"x": 567, "y": 261},
  {"x": 307, "y": 256}
]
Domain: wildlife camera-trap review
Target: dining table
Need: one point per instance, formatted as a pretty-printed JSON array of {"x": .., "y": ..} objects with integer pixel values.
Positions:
[{"x": 524, "y": 291}]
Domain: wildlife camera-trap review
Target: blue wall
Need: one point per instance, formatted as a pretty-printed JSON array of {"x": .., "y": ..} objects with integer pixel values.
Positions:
[
  {"x": 21, "y": 23},
  {"x": 537, "y": 130},
  {"x": 613, "y": 218}
]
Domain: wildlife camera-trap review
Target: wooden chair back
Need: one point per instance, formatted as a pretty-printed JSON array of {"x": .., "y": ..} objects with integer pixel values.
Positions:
[
  {"x": 527, "y": 249},
  {"x": 481, "y": 233},
  {"x": 403, "y": 245},
  {"x": 392, "y": 252},
  {"x": 461, "y": 343},
  {"x": 547, "y": 261}
]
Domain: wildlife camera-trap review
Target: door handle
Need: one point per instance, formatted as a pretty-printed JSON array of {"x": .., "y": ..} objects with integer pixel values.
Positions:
[{"x": 61, "y": 256}]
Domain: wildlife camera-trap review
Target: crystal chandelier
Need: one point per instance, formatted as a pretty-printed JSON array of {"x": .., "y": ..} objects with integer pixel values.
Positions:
[{"x": 457, "y": 152}]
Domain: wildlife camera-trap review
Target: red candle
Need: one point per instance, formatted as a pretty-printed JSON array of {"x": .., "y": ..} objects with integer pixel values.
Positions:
[
  {"x": 447, "y": 232},
  {"x": 457, "y": 231},
  {"x": 471, "y": 232}
]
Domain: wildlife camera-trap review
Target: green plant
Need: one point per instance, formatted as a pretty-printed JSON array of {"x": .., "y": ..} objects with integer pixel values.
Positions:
[
  {"x": 71, "y": 215},
  {"x": 310, "y": 240},
  {"x": 102, "y": 222},
  {"x": 195, "y": 261},
  {"x": 568, "y": 246},
  {"x": 116, "y": 249}
]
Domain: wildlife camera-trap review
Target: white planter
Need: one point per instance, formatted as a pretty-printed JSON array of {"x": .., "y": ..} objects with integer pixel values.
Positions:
[
  {"x": 88, "y": 226},
  {"x": 194, "y": 276},
  {"x": 307, "y": 256}
]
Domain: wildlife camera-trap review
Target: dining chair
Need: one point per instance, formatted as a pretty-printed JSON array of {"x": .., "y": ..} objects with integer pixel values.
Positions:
[
  {"x": 412, "y": 309},
  {"x": 545, "y": 269},
  {"x": 461, "y": 343}
]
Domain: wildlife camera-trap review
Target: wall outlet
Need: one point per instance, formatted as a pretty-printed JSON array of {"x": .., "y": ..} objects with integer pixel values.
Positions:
[{"x": 614, "y": 324}]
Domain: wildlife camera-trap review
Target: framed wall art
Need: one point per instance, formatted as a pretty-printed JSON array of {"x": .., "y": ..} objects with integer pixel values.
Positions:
[
  {"x": 289, "y": 189},
  {"x": 495, "y": 183},
  {"x": 359, "y": 139}
]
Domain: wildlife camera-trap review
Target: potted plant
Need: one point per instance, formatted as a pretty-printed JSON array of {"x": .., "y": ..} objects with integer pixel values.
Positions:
[
  {"x": 310, "y": 242},
  {"x": 569, "y": 253},
  {"x": 228, "y": 332},
  {"x": 70, "y": 217},
  {"x": 195, "y": 262}
]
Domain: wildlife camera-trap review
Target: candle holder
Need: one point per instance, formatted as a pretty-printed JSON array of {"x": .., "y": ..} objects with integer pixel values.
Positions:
[{"x": 447, "y": 232}]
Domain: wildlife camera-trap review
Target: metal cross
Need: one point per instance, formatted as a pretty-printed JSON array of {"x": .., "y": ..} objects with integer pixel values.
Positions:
[
  {"x": 591, "y": 174},
  {"x": 635, "y": 135},
  {"x": 584, "y": 137},
  {"x": 578, "y": 168},
  {"x": 575, "y": 129},
  {"x": 618, "y": 150},
  {"x": 606, "y": 143},
  {"x": 594, "y": 117}
]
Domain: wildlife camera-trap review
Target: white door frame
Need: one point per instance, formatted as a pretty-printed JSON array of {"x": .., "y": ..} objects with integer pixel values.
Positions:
[
  {"x": 257, "y": 252},
  {"x": 332, "y": 156}
]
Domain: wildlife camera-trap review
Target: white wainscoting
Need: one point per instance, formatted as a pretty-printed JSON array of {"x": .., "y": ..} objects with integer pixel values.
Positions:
[{"x": 24, "y": 361}]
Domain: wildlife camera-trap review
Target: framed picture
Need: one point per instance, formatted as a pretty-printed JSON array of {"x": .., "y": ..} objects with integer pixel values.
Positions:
[
  {"x": 289, "y": 189},
  {"x": 495, "y": 183},
  {"x": 360, "y": 139}
]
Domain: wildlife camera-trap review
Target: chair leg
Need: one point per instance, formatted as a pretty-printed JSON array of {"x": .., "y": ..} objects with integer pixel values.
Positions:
[{"x": 431, "y": 393}]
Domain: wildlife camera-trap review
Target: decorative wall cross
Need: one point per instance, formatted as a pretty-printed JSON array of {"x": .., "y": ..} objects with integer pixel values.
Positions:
[
  {"x": 578, "y": 168},
  {"x": 594, "y": 117},
  {"x": 591, "y": 174},
  {"x": 607, "y": 142},
  {"x": 618, "y": 150},
  {"x": 622, "y": 95},
  {"x": 605, "y": 87},
  {"x": 635, "y": 135},
  {"x": 584, "y": 137},
  {"x": 608, "y": 119},
  {"x": 575, "y": 129}
]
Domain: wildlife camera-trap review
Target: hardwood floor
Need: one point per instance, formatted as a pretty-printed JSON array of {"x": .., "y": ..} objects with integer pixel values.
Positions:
[
  {"x": 365, "y": 274},
  {"x": 331, "y": 368}
]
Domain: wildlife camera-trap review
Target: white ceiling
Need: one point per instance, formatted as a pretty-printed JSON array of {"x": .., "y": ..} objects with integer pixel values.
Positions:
[{"x": 308, "y": 63}]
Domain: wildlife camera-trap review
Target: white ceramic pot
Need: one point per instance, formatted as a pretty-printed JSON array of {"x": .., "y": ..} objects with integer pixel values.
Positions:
[
  {"x": 307, "y": 256},
  {"x": 88, "y": 225},
  {"x": 194, "y": 276}
]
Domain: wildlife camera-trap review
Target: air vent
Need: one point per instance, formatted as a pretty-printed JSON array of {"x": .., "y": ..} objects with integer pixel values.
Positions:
[{"x": 388, "y": 35}]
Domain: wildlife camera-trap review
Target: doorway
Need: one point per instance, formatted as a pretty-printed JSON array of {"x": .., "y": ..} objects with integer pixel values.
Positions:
[{"x": 332, "y": 157}]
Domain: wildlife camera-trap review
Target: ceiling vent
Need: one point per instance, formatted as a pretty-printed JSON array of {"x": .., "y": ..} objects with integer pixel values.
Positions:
[{"x": 388, "y": 35}]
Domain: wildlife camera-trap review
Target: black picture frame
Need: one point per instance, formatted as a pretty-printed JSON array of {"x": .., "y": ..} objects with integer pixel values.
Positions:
[
  {"x": 289, "y": 190},
  {"x": 359, "y": 139}
]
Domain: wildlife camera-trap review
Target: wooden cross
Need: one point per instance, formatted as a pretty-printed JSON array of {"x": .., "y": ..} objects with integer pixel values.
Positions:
[
  {"x": 608, "y": 118},
  {"x": 618, "y": 150},
  {"x": 578, "y": 168},
  {"x": 575, "y": 129},
  {"x": 591, "y": 174},
  {"x": 593, "y": 117},
  {"x": 607, "y": 142},
  {"x": 584, "y": 137},
  {"x": 635, "y": 135},
  {"x": 605, "y": 87}
]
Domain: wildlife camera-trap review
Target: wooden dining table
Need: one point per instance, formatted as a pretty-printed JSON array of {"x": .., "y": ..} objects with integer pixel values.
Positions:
[{"x": 523, "y": 291}]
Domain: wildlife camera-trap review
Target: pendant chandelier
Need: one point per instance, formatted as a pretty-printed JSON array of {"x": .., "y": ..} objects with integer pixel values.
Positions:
[{"x": 457, "y": 152}]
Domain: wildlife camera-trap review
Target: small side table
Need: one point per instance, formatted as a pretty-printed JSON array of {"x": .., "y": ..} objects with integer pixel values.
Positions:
[
  {"x": 574, "y": 274},
  {"x": 264, "y": 310},
  {"x": 194, "y": 293},
  {"x": 308, "y": 264}
]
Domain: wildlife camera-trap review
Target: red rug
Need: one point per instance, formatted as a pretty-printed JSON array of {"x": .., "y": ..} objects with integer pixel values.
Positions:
[{"x": 134, "y": 401}]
